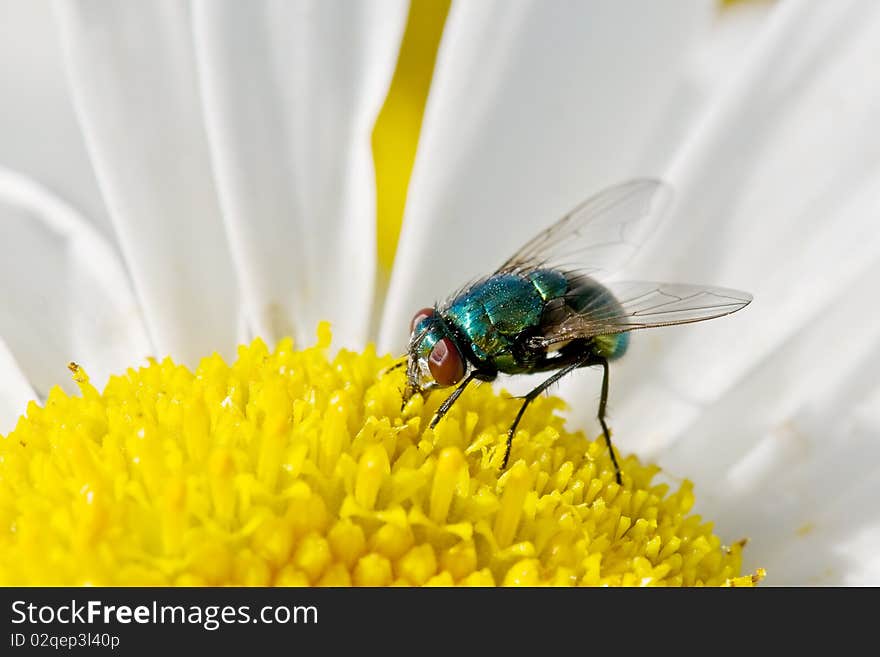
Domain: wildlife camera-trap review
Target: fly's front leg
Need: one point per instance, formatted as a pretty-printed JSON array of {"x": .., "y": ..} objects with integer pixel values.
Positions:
[
  {"x": 450, "y": 400},
  {"x": 401, "y": 362}
]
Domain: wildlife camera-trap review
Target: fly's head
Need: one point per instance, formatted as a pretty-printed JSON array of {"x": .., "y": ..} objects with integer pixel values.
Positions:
[{"x": 433, "y": 359}]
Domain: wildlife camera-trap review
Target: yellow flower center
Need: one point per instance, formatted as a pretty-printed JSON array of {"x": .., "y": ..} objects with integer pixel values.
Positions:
[{"x": 290, "y": 468}]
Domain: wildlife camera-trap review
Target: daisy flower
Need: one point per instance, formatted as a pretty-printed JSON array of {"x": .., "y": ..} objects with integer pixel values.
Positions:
[{"x": 196, "y": 183}]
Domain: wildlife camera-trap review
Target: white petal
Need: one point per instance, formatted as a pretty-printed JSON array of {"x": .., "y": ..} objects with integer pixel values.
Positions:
[
  {"x": 15, "y": 392},
  {"x": 779, "y": 194},
  {"x": 132, "y": 72},
  {"x": 776, "y": 197},
  {"x": 807, "y": 497},
  {"x": 65, "y": 294},
  {"x": 533, "y": 107},
  {"x": 719, "y": 54},
  {"x": 291, "y": 92},
  {"x": 39, "y": 135}
]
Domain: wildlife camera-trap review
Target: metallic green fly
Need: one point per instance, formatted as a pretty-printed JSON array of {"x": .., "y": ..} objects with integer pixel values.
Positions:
[{"x": 552, "y": 308}]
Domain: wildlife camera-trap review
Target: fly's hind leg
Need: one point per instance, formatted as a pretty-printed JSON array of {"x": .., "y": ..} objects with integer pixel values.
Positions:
[
  {"x": 603, "y": 400},
  {"x": 586, "y": 361}
]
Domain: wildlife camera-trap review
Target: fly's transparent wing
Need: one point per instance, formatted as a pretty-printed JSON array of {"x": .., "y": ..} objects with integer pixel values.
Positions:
[
  {"x": 630, "y": 305},
  {"x": 600, "y": 235}
]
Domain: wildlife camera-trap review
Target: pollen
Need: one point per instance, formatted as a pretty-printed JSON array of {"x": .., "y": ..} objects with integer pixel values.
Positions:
[{"x": 294, "y": 467}]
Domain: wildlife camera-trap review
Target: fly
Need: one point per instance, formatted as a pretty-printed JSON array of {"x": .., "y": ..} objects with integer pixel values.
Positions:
[{"x": 551, "y": 308}]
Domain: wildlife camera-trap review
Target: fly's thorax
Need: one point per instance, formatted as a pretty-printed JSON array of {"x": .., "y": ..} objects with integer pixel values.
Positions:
[
  {"x": 550, "y": 283},
  {"x": 491, "y": 314}
]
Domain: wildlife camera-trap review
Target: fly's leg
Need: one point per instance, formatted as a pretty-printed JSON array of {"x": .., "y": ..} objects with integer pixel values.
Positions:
[
  {"x": 603, "y": 400},
  {"x": 530, "y": 397},
  {"x": 400, "y": 363},
  {"x": 450, "y": 400},
  {"x": 409, "y": 391},
  {"x": 587, "y": 360}
]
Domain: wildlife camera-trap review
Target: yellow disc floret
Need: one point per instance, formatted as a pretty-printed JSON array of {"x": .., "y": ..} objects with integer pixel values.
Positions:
[{"x": 290, "y": 468}]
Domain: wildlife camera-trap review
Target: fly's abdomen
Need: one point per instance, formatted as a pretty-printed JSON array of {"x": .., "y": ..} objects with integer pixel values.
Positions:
[
  {"x": 611, "y": 346},
  {"x": 589, "y": 298}
]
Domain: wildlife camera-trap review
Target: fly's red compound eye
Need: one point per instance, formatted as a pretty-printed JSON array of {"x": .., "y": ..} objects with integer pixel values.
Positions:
[
  {"x": 419, "y": 316},
  {"x": 445, "y": 363}
]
